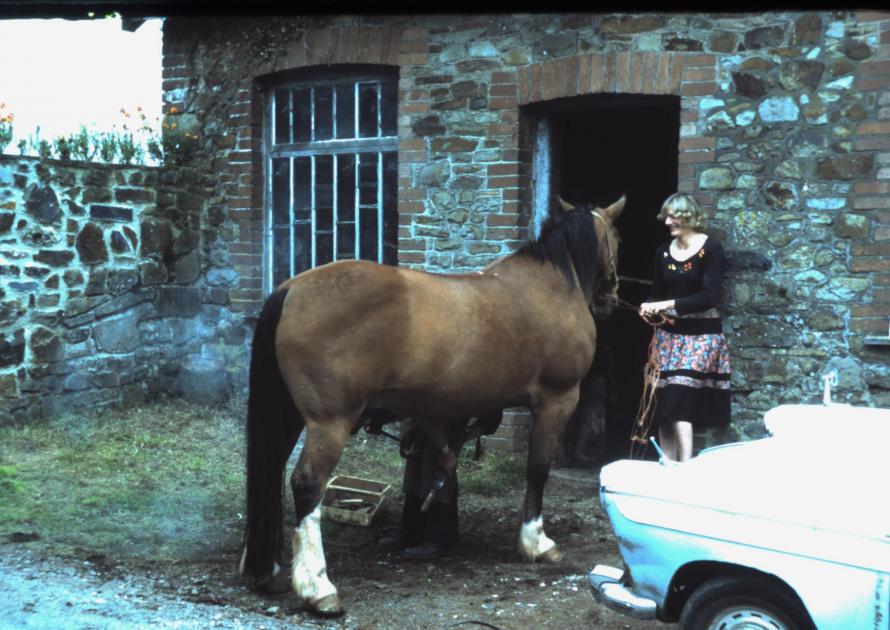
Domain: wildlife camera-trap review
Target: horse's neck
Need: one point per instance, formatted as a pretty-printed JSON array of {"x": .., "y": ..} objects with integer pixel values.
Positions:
[{"x": 536, "y": 280}]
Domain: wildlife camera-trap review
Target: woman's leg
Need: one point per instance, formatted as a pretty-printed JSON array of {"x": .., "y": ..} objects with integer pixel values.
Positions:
[
  {"x": 683, "y": 434},
  {"x": 667, "y": 439}
]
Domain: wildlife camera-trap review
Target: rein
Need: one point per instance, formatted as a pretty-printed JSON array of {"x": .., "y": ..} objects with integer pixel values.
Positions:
[{"x": 651, "y": 371}]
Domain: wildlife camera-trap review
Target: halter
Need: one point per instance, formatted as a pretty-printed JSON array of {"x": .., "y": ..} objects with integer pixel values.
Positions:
[{"x": 613, "y": 268}]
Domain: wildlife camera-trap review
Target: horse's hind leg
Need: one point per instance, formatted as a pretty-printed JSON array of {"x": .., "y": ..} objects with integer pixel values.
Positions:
[
  {"x": 550, "y": 418},
  {"x": 321, "y": 452}
]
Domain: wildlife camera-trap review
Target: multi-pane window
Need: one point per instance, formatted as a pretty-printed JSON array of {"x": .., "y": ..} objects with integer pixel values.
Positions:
[{"x": 331, "y": 173}]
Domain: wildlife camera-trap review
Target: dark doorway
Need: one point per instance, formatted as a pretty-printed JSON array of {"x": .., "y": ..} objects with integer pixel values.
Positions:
[{"x": 604, "y": 146}]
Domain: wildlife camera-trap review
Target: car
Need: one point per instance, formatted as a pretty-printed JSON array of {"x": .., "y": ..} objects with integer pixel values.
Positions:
[{"x": 791, "y": 531}]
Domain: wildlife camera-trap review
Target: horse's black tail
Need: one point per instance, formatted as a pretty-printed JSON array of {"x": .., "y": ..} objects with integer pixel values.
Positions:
[{"x": 273, "y": 425}]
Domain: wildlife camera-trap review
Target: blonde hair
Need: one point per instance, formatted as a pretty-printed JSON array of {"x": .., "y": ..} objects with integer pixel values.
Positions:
[{"x": 685, "y": 208}]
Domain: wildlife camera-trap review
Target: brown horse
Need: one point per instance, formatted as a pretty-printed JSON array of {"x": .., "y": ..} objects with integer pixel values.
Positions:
[{"x": 349, "y": 337}]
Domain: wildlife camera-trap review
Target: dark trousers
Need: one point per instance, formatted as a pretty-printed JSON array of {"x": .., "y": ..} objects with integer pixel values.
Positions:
[{"x": 439, "y": 523}]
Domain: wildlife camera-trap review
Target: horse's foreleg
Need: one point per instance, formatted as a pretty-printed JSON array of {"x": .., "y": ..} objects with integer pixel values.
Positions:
[
  {"x": 321, "y": 452},
  {"x": 550, "y": 418}
]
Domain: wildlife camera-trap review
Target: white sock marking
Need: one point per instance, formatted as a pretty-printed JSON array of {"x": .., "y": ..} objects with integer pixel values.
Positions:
[
  {"x": 310, "y": 572},
  {"x": 533, "y": 542}
]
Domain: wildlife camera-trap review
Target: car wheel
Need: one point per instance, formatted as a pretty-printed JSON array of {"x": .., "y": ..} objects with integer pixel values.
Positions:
[{"x": 736, "y": 603}]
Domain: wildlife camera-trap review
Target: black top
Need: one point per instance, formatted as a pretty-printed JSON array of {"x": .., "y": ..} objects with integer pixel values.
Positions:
[{"x": 694, "y": 284}]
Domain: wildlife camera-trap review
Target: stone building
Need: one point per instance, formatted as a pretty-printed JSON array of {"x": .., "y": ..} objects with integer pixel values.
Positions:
[{"x": 437, "y": 142}]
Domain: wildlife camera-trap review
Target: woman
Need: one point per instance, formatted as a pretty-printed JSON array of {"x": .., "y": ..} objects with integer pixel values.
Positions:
[{"x": 693, "y": 382}]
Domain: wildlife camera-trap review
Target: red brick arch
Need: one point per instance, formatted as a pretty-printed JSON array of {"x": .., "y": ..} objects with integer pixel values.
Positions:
[{"x": 683, "y": 74}]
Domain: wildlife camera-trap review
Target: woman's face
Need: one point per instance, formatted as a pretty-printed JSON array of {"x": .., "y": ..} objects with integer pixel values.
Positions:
[{"x": 677, "y": 226}]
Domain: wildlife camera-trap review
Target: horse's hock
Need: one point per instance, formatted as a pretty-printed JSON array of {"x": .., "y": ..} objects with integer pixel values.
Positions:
[{"x": 120, "y": 283}]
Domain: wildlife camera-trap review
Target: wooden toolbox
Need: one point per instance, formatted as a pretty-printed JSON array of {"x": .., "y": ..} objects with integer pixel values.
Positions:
[{"x": 353, "y": 500}]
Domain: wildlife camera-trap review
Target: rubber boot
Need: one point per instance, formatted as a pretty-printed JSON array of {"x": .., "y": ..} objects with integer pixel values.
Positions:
[
  {"x": 441, "y": 534},
  {"x": 411, "y": 529}
]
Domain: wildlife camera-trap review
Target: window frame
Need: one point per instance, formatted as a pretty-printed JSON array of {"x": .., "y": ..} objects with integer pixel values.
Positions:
[{"x": 354, "y": 147}]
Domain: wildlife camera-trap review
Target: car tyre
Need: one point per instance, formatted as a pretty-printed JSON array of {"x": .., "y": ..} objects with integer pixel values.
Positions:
[{"x": 742, "y": 602}]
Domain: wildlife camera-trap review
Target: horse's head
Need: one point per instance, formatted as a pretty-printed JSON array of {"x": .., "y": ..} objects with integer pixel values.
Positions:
[{"x": 607, "y": 249}]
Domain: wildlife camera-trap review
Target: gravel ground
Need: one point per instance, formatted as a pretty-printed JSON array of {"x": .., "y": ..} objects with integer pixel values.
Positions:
[{"x": 483, "y": 582}]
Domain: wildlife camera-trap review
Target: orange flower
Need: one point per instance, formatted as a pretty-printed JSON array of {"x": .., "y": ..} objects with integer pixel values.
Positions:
[{"x": 173, "y": 110}]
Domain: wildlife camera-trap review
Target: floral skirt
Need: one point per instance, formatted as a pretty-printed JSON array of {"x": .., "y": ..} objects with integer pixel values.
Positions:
[{"x": 693, "y": 382}]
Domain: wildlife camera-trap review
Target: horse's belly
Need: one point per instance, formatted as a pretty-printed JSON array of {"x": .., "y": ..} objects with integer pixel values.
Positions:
[{"x": 434, "y": 402}]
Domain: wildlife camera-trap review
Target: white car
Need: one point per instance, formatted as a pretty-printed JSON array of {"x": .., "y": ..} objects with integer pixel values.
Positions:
[{"x": 790, "y": 531}]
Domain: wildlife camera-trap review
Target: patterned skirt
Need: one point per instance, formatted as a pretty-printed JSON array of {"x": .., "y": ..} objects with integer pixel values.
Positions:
[{"x": 693, "y": 383}]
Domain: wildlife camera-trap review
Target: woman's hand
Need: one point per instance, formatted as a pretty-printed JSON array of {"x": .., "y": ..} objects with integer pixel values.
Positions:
[{"x": 654, "y": 308}]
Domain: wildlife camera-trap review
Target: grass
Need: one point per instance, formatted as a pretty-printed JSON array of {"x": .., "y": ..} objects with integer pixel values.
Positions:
[
  {"x": 166, "y": 480},
  {"x": 125, "y": 481}
]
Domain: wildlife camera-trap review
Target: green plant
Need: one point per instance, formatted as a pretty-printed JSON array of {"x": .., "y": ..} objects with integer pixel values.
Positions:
[
  {"x": 6, "y": 120},
  {"x": 81, "y": 147},
  {"x": 44, "y": 149},
  {"x": 130, "y": 149},
  {"x": 107, "y": 146},
  {"x": 62, "y": 146}
]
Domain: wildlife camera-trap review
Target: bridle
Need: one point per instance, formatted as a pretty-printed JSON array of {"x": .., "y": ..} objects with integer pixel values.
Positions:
[{"x": 613, "y": 267}]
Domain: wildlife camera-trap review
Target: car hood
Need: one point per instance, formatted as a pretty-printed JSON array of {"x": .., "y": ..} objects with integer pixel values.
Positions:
[{"x": 815, "y": 483}]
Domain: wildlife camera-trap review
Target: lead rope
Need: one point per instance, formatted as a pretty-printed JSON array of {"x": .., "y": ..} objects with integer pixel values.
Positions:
[{"x": 651, "y": 371}]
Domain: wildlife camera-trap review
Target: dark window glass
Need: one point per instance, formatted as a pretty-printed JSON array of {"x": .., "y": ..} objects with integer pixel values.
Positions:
[
  {"x": 302, "y": 111},
  {"x": 324, "y": 247},
  {"x": 346, "y": 206},
  {"x": 368, "y": 179},
  {"x": 280, "y": 192},
  {"x": 324, "y": 181},
  {"x": 345, "y": 240},
  {"x": 367, "y": 117},
  {"x": 302, "y": 246},
  {"x": 280, "y": 255},
  {"x": 302, "y": 188},
  {"x": 368, "y": 233},
  {"x": 324, "y": 113},
  {"x": 282, "y": 116},
  {"x": 346, "y": 110}
]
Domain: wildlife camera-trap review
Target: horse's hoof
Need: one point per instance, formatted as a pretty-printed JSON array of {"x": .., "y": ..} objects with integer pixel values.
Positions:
[
  {"x": 328, "y": 606},
  {"x": 551, "y": 555}
]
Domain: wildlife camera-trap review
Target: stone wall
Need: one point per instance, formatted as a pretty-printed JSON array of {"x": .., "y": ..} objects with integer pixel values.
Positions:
[
  {"x": 785, "y": 137},
  {"x": 109, "y": 294}
]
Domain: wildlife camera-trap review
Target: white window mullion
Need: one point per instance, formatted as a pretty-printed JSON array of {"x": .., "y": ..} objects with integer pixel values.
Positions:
[
  {"x": 312, "y": 229},
  {"x": 356, "y": 108},
  {"x": 334, "y": 211},
  {"x": 358, "y": 242},
  {"x": 379, "y": 110},
  {"x": 379, "y": 207},
  {"x": 293, "y": 231},
  {"x": 290, "y": 115}
]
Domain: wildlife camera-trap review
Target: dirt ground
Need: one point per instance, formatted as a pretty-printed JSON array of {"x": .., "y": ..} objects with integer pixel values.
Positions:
[{"x": 481, "y": 584}]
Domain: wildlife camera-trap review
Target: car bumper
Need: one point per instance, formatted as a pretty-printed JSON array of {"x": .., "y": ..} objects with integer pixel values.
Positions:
[{"x": 606, "y": 584}]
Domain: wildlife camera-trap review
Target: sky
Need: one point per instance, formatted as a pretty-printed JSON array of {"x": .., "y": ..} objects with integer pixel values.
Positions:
[{"x": 59, "y": 74}]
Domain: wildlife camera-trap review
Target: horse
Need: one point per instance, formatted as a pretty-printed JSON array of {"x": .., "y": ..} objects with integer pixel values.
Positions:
[{"x": 336, "y": 342}]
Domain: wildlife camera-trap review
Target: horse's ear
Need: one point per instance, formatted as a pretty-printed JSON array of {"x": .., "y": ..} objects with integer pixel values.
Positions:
[
  {"x": 613, "y": 211},
  {"x": 564, "y": 205}
]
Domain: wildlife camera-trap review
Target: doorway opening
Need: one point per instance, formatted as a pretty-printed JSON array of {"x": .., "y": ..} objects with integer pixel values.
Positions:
[{"x": 601, "y": 147}]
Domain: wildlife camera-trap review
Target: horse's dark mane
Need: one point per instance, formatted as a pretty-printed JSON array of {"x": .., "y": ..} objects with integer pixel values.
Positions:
[{"x": 569, "y": 242}]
